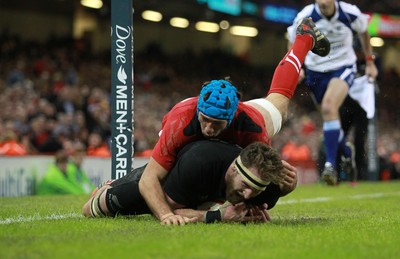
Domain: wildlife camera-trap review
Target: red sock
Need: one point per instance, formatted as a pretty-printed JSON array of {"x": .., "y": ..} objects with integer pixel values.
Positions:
[{"x": 286, "y": 74}]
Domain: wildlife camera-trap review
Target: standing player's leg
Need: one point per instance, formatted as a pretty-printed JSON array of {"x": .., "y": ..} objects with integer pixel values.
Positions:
[{"x": 334, "y": 137}]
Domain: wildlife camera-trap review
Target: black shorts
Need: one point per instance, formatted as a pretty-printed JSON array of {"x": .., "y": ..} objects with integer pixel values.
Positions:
[{"x": 124, "y": 197}]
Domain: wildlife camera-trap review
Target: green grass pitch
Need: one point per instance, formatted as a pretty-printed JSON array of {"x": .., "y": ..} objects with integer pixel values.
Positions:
[{"x": 315, "y": 221}]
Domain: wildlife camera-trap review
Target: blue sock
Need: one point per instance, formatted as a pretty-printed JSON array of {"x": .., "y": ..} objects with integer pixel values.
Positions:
[{"x": 331, "y": 139}]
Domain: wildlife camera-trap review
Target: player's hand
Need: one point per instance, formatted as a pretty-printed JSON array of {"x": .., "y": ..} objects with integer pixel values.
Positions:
[
  {"x": 234, "y": 213},
  {"x": 371, "y": 71},
  {"x": 259, "y": 213},
  {"x": 289, "y": 182},
  {"x": 173, "y": 219}
]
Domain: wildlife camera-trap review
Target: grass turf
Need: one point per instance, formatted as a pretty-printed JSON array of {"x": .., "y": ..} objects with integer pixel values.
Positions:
[{"x": 315, "y": 221}]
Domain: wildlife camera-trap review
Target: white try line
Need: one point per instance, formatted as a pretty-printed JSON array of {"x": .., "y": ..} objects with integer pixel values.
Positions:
[
  {"x": 24, "y": 219},
  {"x": 325, "y": 199}
]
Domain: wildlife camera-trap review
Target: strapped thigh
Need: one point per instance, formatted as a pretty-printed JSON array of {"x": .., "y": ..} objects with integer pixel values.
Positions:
[
  {"x": 95, "y": 208},
  {"x": 275, "y": 114}
]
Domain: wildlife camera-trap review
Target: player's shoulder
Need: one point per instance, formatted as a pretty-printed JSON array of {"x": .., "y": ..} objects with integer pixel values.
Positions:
[
  {"x": 186, "y": 106},
  {"x": 349, "y": 8},
  {"x": 210, "y": 151},
  {"x": 188, "y": 102},
  {"x": 214, "y": 145},
  {"x": 306, "y": 11}
]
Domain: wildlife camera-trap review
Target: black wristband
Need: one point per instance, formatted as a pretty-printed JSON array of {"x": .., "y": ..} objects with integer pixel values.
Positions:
[{"x": 213, "y": 216}]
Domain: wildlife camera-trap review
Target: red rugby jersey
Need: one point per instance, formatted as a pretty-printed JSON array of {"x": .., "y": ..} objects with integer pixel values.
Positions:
[{"x": 180, "y": 126}]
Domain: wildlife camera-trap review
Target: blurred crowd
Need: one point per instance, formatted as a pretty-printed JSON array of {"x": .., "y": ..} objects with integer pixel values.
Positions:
[{"x": 56, "y": 96}]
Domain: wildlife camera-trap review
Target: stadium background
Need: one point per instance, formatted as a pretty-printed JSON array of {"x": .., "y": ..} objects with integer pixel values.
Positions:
[{"x": 55, "y": 71}]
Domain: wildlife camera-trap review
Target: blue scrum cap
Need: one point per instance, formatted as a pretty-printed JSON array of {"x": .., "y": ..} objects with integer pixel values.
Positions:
[{"x": 222, "y": 101}]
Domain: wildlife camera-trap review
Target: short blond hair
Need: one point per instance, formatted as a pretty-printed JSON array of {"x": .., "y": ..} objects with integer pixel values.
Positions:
[{"x": 265, "y": 159}]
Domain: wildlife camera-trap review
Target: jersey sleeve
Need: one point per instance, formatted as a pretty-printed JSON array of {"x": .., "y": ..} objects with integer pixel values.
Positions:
[
  {"x": 164, "y": 151},
  {"x": 172, "y": 138},
  {"x": 270, "y": 196},
  {"x": 360, "y": 24}
]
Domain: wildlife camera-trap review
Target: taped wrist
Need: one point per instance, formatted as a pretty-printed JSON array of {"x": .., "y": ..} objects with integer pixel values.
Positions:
[{"x": 213, "y": 216}]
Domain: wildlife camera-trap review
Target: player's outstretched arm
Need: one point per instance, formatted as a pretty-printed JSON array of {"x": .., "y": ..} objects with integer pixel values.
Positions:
[
  {"x": 370, "y": 69},
  {"x": 151, "y": 190}
]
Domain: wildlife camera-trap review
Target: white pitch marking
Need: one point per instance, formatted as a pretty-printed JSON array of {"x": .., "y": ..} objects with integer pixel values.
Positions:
[
  {"x": 324, "y": 199},
  {"x": 22, "y": 219},
  {"x": 372, "y": 195}
]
